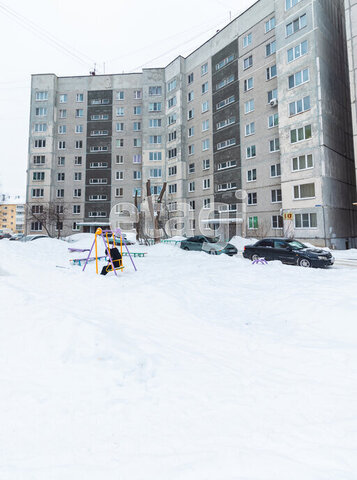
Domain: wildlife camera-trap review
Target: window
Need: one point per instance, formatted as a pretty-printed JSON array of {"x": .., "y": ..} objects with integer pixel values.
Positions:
[
  {"x": 37, "y": 192},
  {"x": 300, "y": 134},
  {"x": 205, "y": 144},
  {"x": 191, "y": 149},
  {"x": 38, "y": 176},
  {"x": 248, "y": 62},
  {"x": 40, "y": 143},
  {"x": 171, "y": 119},
  {"x": 205, "y": 106},
  {"x": 274, "y": 145},
  {"x": 298, "y": 51},
  {"x": 155, "y": 90},
  {"x": 96, "y": 181},
  {"x": 205, "y": 125},
  {"x": 137, "y": 109},
  {"x": 172, "y": 136},
  {"x": 191, "y": 131},
  {"x": 77, "y": 176},
  {"x": 206, "y": 183},
  {"x": 225, "y": 81},
  {"x": 155, "y": 156},
  {"x": 299, "y": 106},
  {"x": 190, "y": 114},
  {"x": 41, "y": 96},
  {"x": 271, "y": 72},
  {"x": 204, "y": 69},
  {"x": 206, "y": 203},
  {"x": 137, "y": 126},
  {"x": 119, "y": 175},
  {"x": 251, "y": 151},
  {"x": 272, "y": 94},
  {"x": 273, "y": 120},
  {"x": 40, "y": 159},
  {"x": 79, "y": 112},
  {"x": 171, "y": 85},
  {"x": 225, "y": 122},
  {"x": 228, "y": 164},
  {"x": 204, "y": 88},
  {"x": 298, "y": 78},
  {"x": 137, "y": 191},
  {"x": 306, "y": 190},
  {"x": 252, "y": 175},
  {"x": 190, "y": 96},
  {"x": 171, "y": 102},
  {"x": 252, "y": 198},
  {"x": 192, "y": 204},
  {"x": 155, "y": 139},
  {"x": 291, "y": 3},
  {"x": 248, "y": 84},
  {"x": 137, "y": 174},
  {"x": 41, "y": 112},
  {"x": 154, "y": 122},
  {"x": 120, "y": 142},
  {"x": 60, "y": 177},
  {"x": 76, "y": 209},
  {"x": 205, "y": 164},
  {"x": 155, "y": 173},
  {"x": 97, "y": 214},
  {"x": 270, "y": 24},
  {"x": 119, "y": 191},
  {"x": 63, "y": 98},
  {"x": 172, "y": 171},
  {"x": 270, "y": 48},
  {"x": 79, "y": 97},
  {"x": 225, "y": 102},
  {"x": 224, "y": 62},
  {"x": 60, "y": 193},
  {"x": 173, "y": 188},
  {"x": 191, "y": 168},
  {"x": 277, "y": 222},
  {"x": 155, "y": 190},
  {"x": 119, "y": 127},
  {"x": 98, "y": 133},
  {"x": 305, "y": 220},
  {"x": 276, "y": 196},
  {"x": 249, "y": 106},
  {"x": 79, "y": 144},
  {"x": 62, "y": 129},
  {"x": 79, "y": 129},
  {"x": 223, "y": 187},
  {"x": 191, "y": 187},
  {"x": 78, "y": 160},
  {"x": 154, "y": 107},
  {"x": 61, "y": 145},
  {"x": 275, "y": 170},
  {"x": 249, "y": 129},
  {"x": 247, "y": 40},
  {"x": 36, "y": 226},
  {"x": 137, "y": 94},
  {"x": 40, "y": 127},
  {"x": 120, "y": 95},
  {"x": 296, "y": 25},
  {"x": 98, "y": 165},
  {"x": 120, "y": 111},
  {"x": 103, "y": 116},
  {"x": 190, "y": 78},
  {"x": 136, "y": 159},
  {"x": 37, "y": 209},
  {"x": 226, "y": 143},
  {"x": 302, "y": 162},
  {"x": 100, "y": 101}
]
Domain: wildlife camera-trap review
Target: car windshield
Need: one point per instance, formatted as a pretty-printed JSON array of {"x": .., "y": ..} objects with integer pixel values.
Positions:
[
  {"x": 295, "y": 245},
  {"x": 212, "y": 239}
]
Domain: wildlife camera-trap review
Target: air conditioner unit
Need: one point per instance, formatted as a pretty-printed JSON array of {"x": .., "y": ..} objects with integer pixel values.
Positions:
[{"x": 273, "y": 102}]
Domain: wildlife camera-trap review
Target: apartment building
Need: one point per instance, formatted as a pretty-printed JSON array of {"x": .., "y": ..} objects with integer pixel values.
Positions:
[
  {"x": 12, "y": 213},
  {"x": 252, "y": 133}
]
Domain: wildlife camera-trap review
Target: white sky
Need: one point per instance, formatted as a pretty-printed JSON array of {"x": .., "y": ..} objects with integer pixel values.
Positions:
[{"x": 125, "y": 35}]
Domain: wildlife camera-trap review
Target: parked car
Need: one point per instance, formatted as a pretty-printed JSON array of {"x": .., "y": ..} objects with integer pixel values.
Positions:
[
  {"x": 17, "y": 236},
  {"x": 30, "y": 238},
  {"x": 210, "y": 245},
  {"x": 5, "y": 235},
  {"x": 288, "y": 251},
  {"x": 117, "y": 240}
]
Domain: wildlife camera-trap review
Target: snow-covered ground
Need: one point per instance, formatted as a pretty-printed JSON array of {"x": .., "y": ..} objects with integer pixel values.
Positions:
[{"x": 195, "y": 367}]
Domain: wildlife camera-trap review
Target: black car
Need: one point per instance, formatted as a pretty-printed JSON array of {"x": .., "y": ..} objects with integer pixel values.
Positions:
[
  {"x": 288, "y": 251},
  {"x": 210, "y": 245}
]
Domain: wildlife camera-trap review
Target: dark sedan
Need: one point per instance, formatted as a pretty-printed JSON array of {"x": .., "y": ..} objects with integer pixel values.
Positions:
[
  {"x": 288, "y": 251},
  {"x": 210, "y": 245}
]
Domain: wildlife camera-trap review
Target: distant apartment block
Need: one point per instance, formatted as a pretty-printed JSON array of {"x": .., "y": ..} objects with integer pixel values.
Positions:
[
  {"x": 12, "y": 213},
  {"x": 254, "y": 127}
]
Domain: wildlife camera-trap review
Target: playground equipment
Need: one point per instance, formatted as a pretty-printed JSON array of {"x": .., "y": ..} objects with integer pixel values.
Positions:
[
  {"x": 104, "y": 234},
  {"x": 260, "y": 261}
]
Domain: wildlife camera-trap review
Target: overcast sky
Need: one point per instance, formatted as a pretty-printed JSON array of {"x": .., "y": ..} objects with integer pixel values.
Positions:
[{"x": 67, "y": 37}]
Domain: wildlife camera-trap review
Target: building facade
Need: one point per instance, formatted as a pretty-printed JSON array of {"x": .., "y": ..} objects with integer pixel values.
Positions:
[
  {"x": 251, "y": 132},
  {"x": 12, "y": 213}
]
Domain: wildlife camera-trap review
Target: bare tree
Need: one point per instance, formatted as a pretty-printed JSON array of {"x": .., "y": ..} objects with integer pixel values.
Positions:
[
  {"x": 51, "y": 216},
  {"x": 155, "y": 209}
]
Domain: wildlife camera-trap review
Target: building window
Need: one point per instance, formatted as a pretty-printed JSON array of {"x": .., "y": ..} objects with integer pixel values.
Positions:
[
  {"x": 204, "y": 69},
  {"x": 36, "y": 226},
  {"x": 205, "y": 106},
  {"x": 191, "y": 149},
  {"x": 299, "y": 106},
  {"x": 120, "y": 142},
  {"x": 223, "y": 187},
  {"x": 40, "y": 127},
  {"x": 37, "y": 209},
  {"x": 190, "y": 114},
  {"x": 61, "y": 145},
  {"x": 272, "y": 95},
  {"x": 154, "y": 122},
  {"x": 171, "y": 85},
  {"x": 275, "y": 170},
  {"x": 226, "y": 143},
  {"x": 155, "y": 107},
  {"x": 155, "y": 173},
  {"x": 192, "y": 205},
  {"x": 296, "y": 25},
  {"x": 119, "y": 175},
  {"x": 276, "y": 222},
  {"x": 76, "y": 209},
  {"x": 276, "y": 196},
  {"x": 302, "y": 162},
  {"x": 191, "y": 168},
  {"x": 155, "y": 156},
  {"x": 137, "y": 191},
  {"x": 270, "y": 24},
  {"x": 252, "y": 175},
  {"x": 173, "y": 188},
  {"x": 249, "y": 129},
  {"x": 191, "y": 187},
  {"x": 137, "y": 175},
  {"x": 120, "y": 111},
  {"x": 77, "y": 176},
  {"x": 205, "y": 144},
  {"x": 297, "y": 51},
  {"x": 155, "y": 190},
  {"x": 78, "y": 160},
  {"x": 60, "y": 177},
  {"x": 273, "y": 120},
  {"x": 155, "y": 90},
  {"x": 137, "y": 109},
  {"x": 225, "y": 81},
  {"x": 172, "y": 136},
  {"x": 252, "y": 198},
  {"x": 225, "y": 62},
  {"x": 119, "y": 192},
  {"x": 190, "y": 96},
  {"x": 79, "y": 97},
  {"x": 79, "y": 129},
  {"x": 225, "y": 102},
  {"x": 251, "y": 151},
  {"x": 136, "y": 159},
  {"x": 60, "y": 193},
  {"x": 120, "y": 95},
  {"x": 40, "y": 143},
  {"x": 40, "y": 111},
  {"x": 62, "y": 129},
  {"x": 205, "y": 164},
  {"x": 274, "y": 145},
  {"x": 271, "y": 72},
  {"x": 248, "y": 84},
  {"x": 300, "y": 134},
  {"x": 206, "y": 183},
  {"x": 306, "y": 190},
  {"x": 137, "y": 142},
  {"x": 248, "y": 62},
  {"x": 155, "y": 139},
  {"x": 38, "y": 176},
  {"x": 137, "y": 94},
  {"x": 206, "y": 203},
  {"x": 37, "y": 192},
  {"x": 171, "y": 102},
  {"x": 270, "y": 48},
  {"x": 41, "y": 96},
  {"x": 63, "y": 98},
  {"x": 204, "y": 88},
  {"x": 119, "y": 127},
  {"x": 79, "y": 144},
  {"x": 171, "y": 119},
  {"x": 205, "y": 125},
  {"x": 39, "y": 159},
  {"x": 305, "y": 220},
  {"x": 172, "y": 171},
  {"x": 190, "y": 78},
  {"x": 298, "y": 78},
  {"x": 77, "y": 192},
  {"x": 225, "y": 122},
  {"x": 291, "y": 3},
  {"x": 249, "y": 106},
  {"x": 247, "y": 40},
  {"x": 191, "y": 132}
]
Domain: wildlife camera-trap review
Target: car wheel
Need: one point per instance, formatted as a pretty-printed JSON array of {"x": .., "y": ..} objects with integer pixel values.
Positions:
[
  {"x": 304, "y": 262},
  {"x": 255, "y": 257},
  {"x": 212, "y": 252},
  {"x": 186, "y": 248}
]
